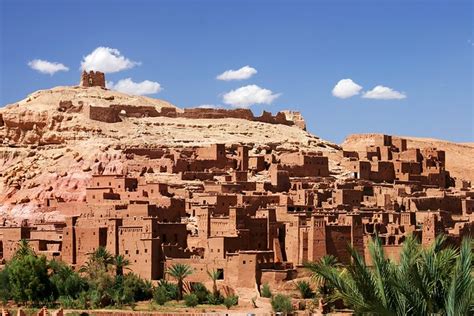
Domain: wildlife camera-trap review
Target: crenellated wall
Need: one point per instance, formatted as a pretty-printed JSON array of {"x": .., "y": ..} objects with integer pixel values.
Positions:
[
  {"x": 246, "y": 114},
  {"x": 135, "y": 111},
  {"x": 198, "y": 113},
  {"x": 112, "y": 114}
]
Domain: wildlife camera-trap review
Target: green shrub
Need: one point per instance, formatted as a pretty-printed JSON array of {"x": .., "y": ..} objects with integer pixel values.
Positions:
[
  {"x": 305, "y": 289},
  {"x": 160, "y": 296},
  {"x": 99, "y": 298},
  {"x": 265, "y": 291},
  {"x": 67, "y": 302},
  {"x": 215, "y": 299},
  {"x": 84, "y": 301},
  {"x": 191, "y": 300},
  {"x": 201, "y": 292},
  {"x": 102, "y": 286},
  {"x": 282, "y": 303},
  {"x": 140, "y": 289},
  {"x": 67, "y": 282},
  {"x": 170, "y": 288},
  {"x": 29, "y": 281},
  {"x": 120, "y": 294},
  {"x": 231, "y": 300},
  {"x": 5, "y": 291}
]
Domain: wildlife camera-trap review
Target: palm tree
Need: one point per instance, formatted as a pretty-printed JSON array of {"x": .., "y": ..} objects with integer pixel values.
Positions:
[
  {"x": 214, "y": 275},
  {"x": 456, "y": 299},
  {"x": 102, "y": 256},
  {"x": 324, "y": 289},
  {"x": 120, "y": 263},
  {"x": 437, "y": 279},
  {"x": 99, "y": 261},
  {"x": 179, "y": 272}
]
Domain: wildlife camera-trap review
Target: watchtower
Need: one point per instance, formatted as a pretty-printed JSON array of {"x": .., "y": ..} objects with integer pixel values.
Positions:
[{"x": 92, "y": 79}]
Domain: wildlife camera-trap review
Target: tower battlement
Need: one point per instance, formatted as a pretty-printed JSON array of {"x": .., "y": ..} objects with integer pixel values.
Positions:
[{"x": 92, "y": 79}]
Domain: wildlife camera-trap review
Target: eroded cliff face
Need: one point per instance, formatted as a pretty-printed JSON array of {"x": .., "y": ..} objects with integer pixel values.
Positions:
[{"x": 49, "y": 147}]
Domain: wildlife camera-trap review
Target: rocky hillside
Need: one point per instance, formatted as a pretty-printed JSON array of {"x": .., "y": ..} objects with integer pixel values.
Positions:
[
  {"x": 459, "y": 156},
  {"x": 49, "y": 147}
]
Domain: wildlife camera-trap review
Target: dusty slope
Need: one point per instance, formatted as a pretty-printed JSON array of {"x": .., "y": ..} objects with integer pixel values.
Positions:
[
  {"x": 47, "y": 152},
  {"x": 42, "y": 100},
  {"x": 459, "y": 156}
]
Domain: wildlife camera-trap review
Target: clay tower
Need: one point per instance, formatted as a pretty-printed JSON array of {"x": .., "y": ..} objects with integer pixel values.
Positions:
[{"x": 92, "y": 79}]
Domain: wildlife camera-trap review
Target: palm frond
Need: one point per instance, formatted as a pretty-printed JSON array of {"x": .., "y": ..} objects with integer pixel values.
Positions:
[{"x": 460, "y": 295}]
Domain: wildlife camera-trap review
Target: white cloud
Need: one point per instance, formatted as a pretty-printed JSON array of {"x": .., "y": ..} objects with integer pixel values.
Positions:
[
  {"x": 46, "y": 67},
  {"x": 209, "y": 106},
  {"x": 384, "y": 93},
  {"x": 244, "y": 97},
  {"x": 346, "y": 88},
  {"x": 240, "y": 74},
  {"x": 135, "y": 88},
  {"x": 107, "y": 60}
]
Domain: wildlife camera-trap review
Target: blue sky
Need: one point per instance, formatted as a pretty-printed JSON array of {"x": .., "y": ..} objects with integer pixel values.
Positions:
[{"x": 300, "y": 49}]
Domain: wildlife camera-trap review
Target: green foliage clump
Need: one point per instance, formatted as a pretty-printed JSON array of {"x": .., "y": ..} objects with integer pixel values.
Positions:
[
  {"x": 305, "y": 289},
  {"x": 67, "y": 283},
  {"x": 130, "y": 288},
  {"x": 5, "y": 291},
  {"x": 120, "y": 294},
  {"x": 160, "y": 295},
  {"x": 281, "y": 304},
  {"x": 215, "y": 299},
  {"x": 265, "y": 291},
  {"x": 164, "y": 292},
  {"x": 200, "y": 291},
  {"x": 191, "y": 300},
  {"x": 230, "y": 301},
  {"x": 426, "y": 280},
  {"x": 142, "y": 289},
  {"x": 28, "y": 278}
]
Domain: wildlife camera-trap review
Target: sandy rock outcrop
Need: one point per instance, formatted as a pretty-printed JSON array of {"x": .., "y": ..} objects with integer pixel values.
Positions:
[{"x": 50, "y": 148}]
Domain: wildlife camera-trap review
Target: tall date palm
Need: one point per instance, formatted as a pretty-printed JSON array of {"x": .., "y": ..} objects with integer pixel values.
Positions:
[
  {"x": 214, "y": 275},
  {"x": 179, "y": 272},
  {"x": 121, "y": 263}
]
